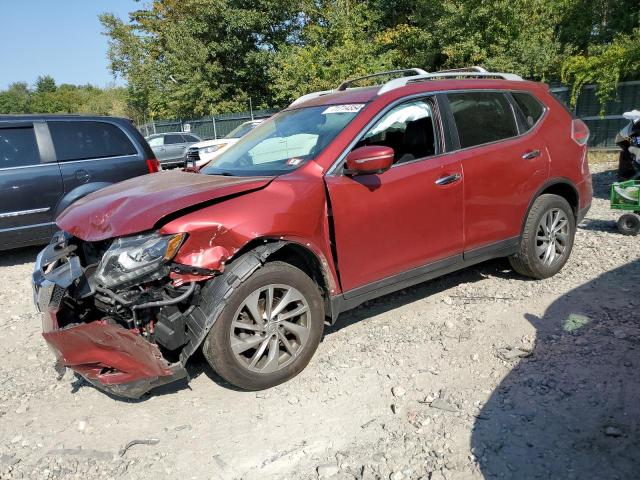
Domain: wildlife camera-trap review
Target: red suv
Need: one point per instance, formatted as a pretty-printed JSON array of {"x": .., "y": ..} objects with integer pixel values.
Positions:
[{"x": 344, "y": 196}]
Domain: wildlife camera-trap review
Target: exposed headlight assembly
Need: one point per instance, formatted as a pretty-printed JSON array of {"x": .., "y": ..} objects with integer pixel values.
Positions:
[
  {"x": 212, "y": 149},
  {"x": 132, "y": 258}
]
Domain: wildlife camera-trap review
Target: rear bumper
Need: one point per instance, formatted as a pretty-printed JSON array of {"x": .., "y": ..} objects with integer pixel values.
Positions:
[{"x": 114, "y": 359}]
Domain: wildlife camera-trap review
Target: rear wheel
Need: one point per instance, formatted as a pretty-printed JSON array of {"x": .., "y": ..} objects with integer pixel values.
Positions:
[
  {"x": 547, "y": 238},
  {"x": 629, "y": 224},
  {"x": 269, "y": 329}
]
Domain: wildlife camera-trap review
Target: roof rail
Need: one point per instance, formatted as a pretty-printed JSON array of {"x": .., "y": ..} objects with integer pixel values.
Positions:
[
  {"x": 309, "y": 96},
  {"x": 418, "y": 75},
  {"x": 415, "y": 71},
  {"x": 470, "y": 72}
]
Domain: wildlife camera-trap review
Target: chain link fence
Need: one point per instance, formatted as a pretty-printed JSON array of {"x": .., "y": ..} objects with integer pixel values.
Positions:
[
  {"x": 212, "y": 127},
  {"x": 603, "y": 128},
  {"x": 587, "y": 108}
]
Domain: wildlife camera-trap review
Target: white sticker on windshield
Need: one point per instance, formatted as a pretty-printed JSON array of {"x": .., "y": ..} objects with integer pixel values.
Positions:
[{"x": 349, "y": 108}]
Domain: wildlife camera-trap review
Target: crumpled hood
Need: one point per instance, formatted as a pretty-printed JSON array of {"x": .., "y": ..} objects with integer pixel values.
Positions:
[{"x": 137, "y": 204}]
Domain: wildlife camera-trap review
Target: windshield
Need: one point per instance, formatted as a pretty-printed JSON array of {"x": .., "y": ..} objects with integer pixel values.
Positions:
[
  {"x": 241, "y": 130},
  {"x": 284, "y": 142}
]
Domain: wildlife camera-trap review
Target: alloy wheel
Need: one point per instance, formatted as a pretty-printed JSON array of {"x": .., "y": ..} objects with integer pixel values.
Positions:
[
  {"x": 271, "y": 328},
  {"x": 552, "y": 236}
]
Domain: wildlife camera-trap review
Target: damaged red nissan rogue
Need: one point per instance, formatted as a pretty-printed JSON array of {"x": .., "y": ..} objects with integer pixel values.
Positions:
[{"x": 344, "y": 196}]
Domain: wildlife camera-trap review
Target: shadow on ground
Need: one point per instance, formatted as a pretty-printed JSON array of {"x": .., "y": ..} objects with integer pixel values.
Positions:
[
  {"x": 602, "y": 183},
  {"x": 572, "y": 409},
  {"x": 19, "y": 256}
]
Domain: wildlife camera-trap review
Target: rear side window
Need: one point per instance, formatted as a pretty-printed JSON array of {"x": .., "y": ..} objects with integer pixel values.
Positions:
[
  {"x": 173, "y": 139},
  {"x": 531, "y": 108},
  {"x": 85, "y": 140},
  {"x": 18, "y": 147},
  {"x": 482, "y": 117},
  {"x": 156, "y": 142}
]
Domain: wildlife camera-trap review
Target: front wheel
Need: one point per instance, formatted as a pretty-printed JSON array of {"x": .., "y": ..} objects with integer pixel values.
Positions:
[
  {"x": 269, "y": 329},
  {"x": 547, "y": 238}
]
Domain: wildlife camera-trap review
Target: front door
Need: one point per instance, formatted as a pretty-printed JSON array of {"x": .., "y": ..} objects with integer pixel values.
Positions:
[{"x": 406, "y": 217}]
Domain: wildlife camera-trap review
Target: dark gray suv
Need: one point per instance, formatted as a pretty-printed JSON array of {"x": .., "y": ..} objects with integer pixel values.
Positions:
[{"x": 49, "y": 161}]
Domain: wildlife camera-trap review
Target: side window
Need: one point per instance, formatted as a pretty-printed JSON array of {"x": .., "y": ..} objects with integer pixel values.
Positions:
[
  {"x": 156, "y": 141},
  {"x": 531, "y": 107},
  {"x": 18, "y": 147},
  {"x": 407, "y": 128},
  {"x": 80, "y": 140},
  {"x": 482, "y": 117},
  {"x": 190, "y": 138},
  {"x": 173, "y": 139}
]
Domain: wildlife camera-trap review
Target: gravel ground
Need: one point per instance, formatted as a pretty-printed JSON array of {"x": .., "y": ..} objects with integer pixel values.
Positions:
[{"x": 480, "y": 374}]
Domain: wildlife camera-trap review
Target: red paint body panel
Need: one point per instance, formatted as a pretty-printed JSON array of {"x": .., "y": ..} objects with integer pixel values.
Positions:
[
  {"x": 292, "y": 207},
  {"x": 386, "y": 224},
  {"x": 89, "y": 347},
  {"x": 498, "y": 187},
  {"x": 137, "y": 204}
]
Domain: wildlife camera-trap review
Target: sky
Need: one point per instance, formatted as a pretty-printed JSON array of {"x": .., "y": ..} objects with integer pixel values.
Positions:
[{"x": 61, "y": 38}]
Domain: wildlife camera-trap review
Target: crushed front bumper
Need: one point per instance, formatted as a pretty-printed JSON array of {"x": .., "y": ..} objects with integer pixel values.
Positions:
[{"x": 114, "y": 359}]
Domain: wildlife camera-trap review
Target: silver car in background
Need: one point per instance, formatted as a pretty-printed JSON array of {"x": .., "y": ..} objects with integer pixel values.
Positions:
[{"x": 171, "y": 147}]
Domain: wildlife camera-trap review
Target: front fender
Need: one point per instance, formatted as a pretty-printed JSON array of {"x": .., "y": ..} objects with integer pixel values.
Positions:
[{"x": 76, "y": 194}]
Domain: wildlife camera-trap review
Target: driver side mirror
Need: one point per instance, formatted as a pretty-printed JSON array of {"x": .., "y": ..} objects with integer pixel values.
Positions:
[{"x": 369, "y": 159}]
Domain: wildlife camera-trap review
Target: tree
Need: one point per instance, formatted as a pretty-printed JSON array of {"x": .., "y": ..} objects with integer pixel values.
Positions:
[
  {"x": 604, "y": 66},
  {"x": 196, "y": 57},
  {"x": 45, "y": 84},
  {"x": 15, "y": 99}
]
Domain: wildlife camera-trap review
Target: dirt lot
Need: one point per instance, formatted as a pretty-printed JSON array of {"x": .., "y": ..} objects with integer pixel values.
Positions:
[{"x": 480, "y": 374}]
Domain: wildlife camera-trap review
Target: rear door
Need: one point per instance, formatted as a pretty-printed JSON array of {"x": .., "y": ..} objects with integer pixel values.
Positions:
[
  {"x": 504, "y": 164},
  {"x": 30, "y": 184},
  {"x": 90, "y": 151}
]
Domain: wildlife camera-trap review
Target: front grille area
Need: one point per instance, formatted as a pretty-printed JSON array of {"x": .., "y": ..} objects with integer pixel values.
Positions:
[{"x": 193, "y": 155}]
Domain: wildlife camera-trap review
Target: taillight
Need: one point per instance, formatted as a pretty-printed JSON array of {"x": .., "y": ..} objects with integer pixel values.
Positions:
[
  {"x": 153, "y": 165},
  {"x": 579, "y": 132}
]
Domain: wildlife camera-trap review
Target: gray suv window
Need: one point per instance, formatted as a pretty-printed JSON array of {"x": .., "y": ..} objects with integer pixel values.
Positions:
[
  {"x": 482, "y": 117},
  {"x": 173, "y": 139},
  {"x": 18, "y": 147},
  {"x": 85, "y": 140}
]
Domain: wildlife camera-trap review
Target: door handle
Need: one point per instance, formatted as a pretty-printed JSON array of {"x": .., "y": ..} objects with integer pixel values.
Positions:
[
  {"x": 83, "y": 175},
  {"x": 531, "y": 155},
  {"x": 447, "y": 179}
]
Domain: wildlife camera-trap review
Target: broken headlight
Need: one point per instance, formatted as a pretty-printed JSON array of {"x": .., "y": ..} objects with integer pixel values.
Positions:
[{"x": 132, "y": 258}]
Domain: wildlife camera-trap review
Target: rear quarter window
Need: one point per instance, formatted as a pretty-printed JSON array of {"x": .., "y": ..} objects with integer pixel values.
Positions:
[
  {"x": 530, "y": 107},
  {"x": 80, "y": 140},
  {"x": 482, "y": 117},
  {"x": 18, "y": 147}
]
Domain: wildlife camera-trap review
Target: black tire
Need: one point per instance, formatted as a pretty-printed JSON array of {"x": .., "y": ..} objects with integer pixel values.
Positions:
[
  {"x": 526, "y": 261},
  {"x": 629, "y": 224},
  {"x": 217, "y": 345},
  {"x": 625, "y": 166}
]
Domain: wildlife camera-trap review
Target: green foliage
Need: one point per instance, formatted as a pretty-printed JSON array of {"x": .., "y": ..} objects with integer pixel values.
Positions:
[
  {"x": 46, "y": 97},
  {"x": 186, "y": 58},
  {"x": 604, "y": 66}
]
